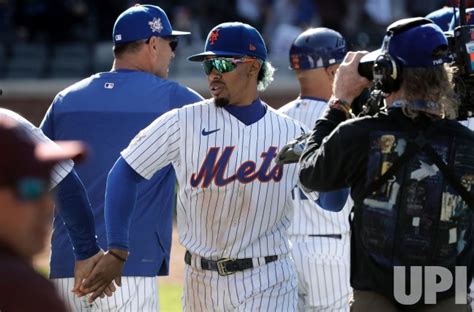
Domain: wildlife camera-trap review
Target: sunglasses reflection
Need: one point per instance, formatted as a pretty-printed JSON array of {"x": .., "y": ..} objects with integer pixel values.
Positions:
[{"x": 224, "y": 64}]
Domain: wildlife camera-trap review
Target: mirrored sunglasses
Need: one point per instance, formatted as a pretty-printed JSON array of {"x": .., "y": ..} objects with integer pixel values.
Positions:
[
  {"x": 224, "y": 65},
  {"x": 31, "y": 188}
]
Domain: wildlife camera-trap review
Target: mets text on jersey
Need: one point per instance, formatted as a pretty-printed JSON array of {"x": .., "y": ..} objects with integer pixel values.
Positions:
[{"x": 213, "y": 169}]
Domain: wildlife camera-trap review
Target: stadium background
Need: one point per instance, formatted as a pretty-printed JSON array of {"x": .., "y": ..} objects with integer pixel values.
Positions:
[{"x": 46, "y": 45}]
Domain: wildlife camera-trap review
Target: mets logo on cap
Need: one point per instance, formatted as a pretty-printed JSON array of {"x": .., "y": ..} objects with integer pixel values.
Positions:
[{"x": 213, "y": 36}]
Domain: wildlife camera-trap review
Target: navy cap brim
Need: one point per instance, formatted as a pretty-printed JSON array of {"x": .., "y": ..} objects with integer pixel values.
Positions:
[
  {"x": 201, "y": 56},
  {"x": 180, "y": 33}
]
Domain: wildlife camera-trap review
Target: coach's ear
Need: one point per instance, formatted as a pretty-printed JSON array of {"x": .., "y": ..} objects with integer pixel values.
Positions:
[{"x": 152, "y": 43}]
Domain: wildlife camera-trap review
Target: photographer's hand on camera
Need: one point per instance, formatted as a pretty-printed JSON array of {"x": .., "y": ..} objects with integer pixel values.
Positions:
[{"x": 348, "y": 84}]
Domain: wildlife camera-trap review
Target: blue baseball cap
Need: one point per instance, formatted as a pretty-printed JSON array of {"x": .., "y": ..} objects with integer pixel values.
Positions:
[
  {"x": 415, "y": 47},
  {"x": 141, "y": 22},
  {"x": 233, "y": 39}
]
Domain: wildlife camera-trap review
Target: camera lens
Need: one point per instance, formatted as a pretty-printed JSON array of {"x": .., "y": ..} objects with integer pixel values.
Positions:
[{"x": 365, "y": 70}]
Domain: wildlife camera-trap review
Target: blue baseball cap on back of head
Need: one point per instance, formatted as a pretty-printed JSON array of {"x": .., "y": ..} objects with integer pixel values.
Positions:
[
  {"x": 142, "y": 22},
  {"x": 415, "y": 47},
  {"x": 233, "y": 39}
]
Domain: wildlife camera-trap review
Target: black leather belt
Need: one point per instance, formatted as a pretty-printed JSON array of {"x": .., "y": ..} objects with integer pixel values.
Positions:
[
  {"x": 338, "y": 236},
  {"x": 226, "y": 266}
]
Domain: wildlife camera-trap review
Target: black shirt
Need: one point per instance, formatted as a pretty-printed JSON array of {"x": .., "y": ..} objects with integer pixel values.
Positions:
[{"x": 416, "y": 218}]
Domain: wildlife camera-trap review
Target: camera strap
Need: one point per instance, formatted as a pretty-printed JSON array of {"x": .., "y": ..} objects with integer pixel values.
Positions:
[{"x": 418, "y": 140}]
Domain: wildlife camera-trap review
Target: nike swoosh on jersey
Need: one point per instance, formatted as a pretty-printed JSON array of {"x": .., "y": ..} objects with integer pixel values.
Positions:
[{"x": 204, "y": 132}]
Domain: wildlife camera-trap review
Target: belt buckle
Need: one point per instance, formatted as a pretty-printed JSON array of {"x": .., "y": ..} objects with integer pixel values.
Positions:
[{"x": 221, "y": 269}]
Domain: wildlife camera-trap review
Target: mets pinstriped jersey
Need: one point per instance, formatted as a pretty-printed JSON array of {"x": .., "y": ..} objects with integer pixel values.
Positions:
[
  {"x": 233, "y": 198},
  {"x": 61, "y": 170},
  {"x": 309, "y": 218},
  {"x": 469, "y": 123}
]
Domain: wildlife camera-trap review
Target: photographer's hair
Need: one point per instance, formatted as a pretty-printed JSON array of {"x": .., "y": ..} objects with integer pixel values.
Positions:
[
  {"x": 431, "y": 84},
  {"x": 129, "y": 47},
  {"x": 265, "y": 76}
]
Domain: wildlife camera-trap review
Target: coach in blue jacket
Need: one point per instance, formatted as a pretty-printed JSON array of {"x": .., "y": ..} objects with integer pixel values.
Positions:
[{"x": 107, "y": 110}]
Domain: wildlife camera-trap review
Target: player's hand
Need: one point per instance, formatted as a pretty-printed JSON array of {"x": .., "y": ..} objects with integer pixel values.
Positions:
[
  {"x": 82, "y": 269},
  {"x": 291, "y": 152},
  {"x": 348, "y": 84},
  {"x": 108, "y": 269}
]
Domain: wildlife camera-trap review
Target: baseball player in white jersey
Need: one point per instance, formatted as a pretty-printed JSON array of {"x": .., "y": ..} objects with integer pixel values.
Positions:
[
  {"x": 60, "y": 170},
  {"x": 469, "y": 123},
  {"x": 320, "y": 238},
  {"x": 77, "y": 216},
  {"x": 234, "y": 200}
]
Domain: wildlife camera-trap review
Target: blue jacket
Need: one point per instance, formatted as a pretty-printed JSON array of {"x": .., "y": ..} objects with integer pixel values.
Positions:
[{"x": 107, "y": 110}]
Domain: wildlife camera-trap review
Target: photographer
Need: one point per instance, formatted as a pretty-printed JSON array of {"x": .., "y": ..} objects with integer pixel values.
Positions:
[{"x": 408, "y": 211}]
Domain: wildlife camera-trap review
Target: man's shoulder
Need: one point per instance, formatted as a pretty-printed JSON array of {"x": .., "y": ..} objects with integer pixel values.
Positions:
[
  {"x": 192, "y": 110},
  {"x": 289, "y": 106},
  {"x": 8, "y": 114},
  {"x": 206, "y": 104},
  {"x": 302, "y": 104},
  {"x": 384, "y": 121},
  {"x": 177, "y": 85},
  {"x": 279, "y": 114},
  {"x": 158, "y": 84},
  {"x": 361, "y": 127},
  {"x": 282, "y": 117},
  {"x": 458, "y": 129},
  {"x": 364, "y": 120},
  {"x": 79, "y": 85},
  {"x": 124, "y": 88},
  {"x": 111, "y": 81}
]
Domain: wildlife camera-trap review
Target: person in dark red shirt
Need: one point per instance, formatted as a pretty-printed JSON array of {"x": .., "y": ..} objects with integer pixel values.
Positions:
[{"x": 26, "y": 207}]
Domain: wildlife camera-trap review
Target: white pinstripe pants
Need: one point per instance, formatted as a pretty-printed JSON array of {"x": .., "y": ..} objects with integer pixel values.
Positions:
[
  {"x": 323, "y": 266},
  {"x": 471, "y": 294},
  {"x": 269, "y": 287},
  {"x": 138, "y": 293}
]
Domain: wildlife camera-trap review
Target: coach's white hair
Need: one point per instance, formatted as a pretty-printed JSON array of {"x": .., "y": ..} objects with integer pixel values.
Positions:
[{"x": 265, "y": 76}]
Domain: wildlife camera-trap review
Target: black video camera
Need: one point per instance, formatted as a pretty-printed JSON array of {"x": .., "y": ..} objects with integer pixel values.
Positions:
[
  {"x": 370, "y": 101},
  {"x": 461, "y": 55}
]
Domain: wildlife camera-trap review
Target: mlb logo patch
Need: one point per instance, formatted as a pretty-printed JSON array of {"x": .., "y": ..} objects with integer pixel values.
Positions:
[
  {"x": 109, "y": 85},
  {"x": 118, "y": 37}
]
